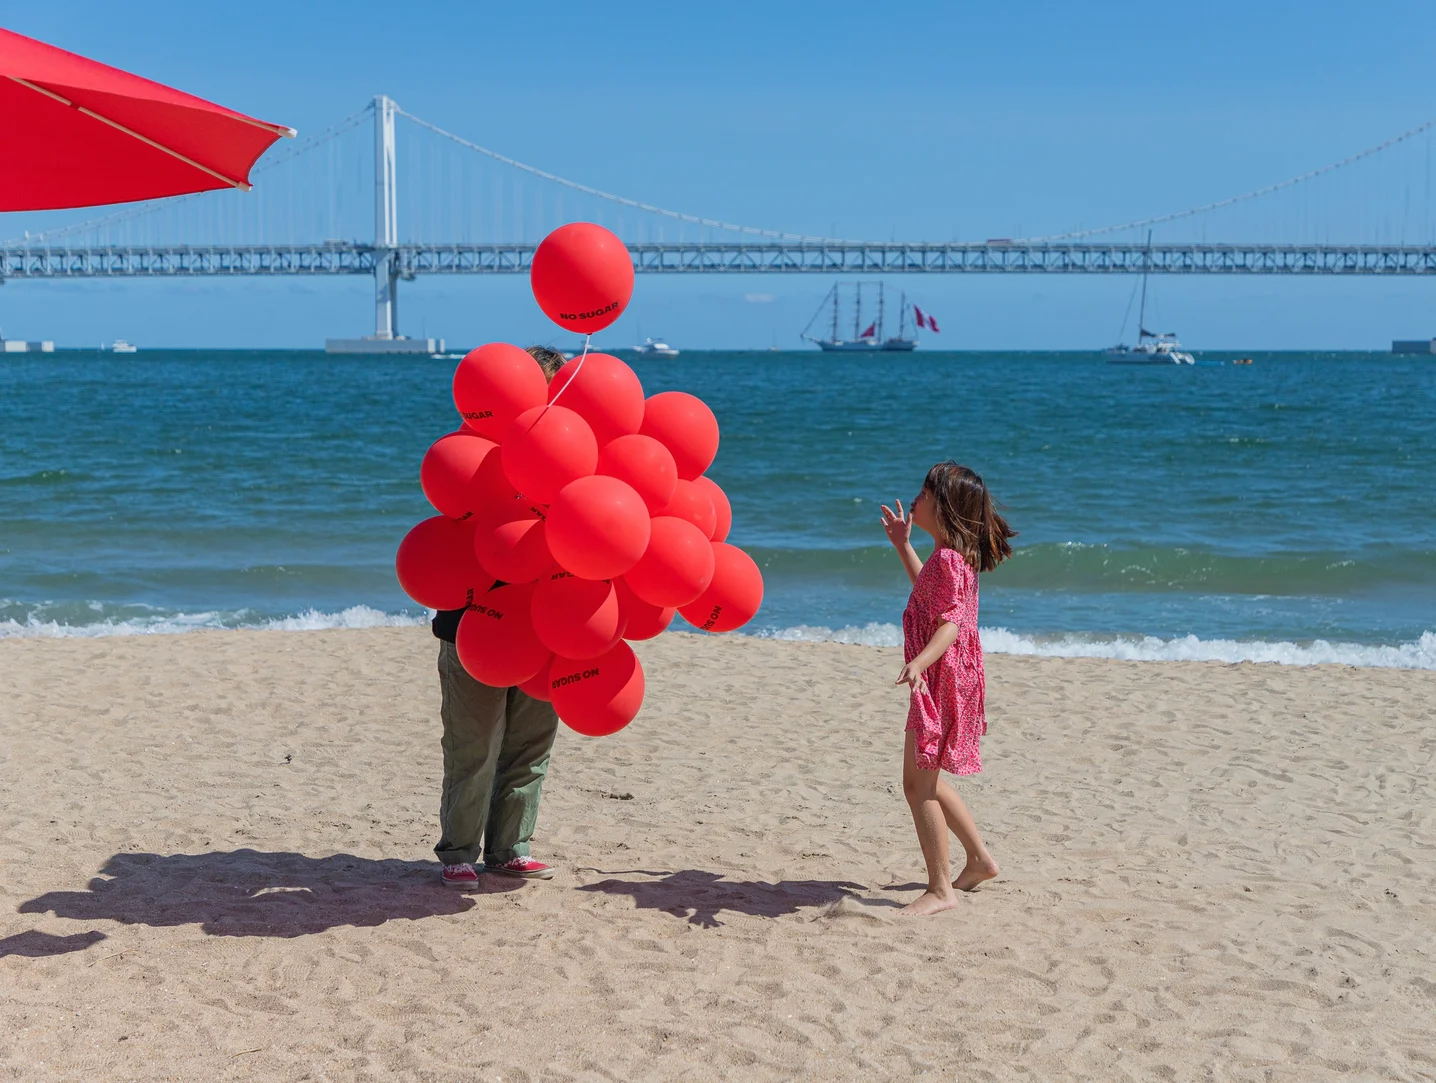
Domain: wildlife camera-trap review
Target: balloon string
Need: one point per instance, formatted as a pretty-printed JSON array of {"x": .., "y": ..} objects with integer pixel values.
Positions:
[{"x": 577, "y": 369}]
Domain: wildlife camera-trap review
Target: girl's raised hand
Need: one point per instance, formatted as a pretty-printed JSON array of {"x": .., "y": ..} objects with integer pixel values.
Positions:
[{"x": 898, "y": 527}]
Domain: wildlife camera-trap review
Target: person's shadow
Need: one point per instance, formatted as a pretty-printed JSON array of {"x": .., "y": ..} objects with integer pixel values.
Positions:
[
  {"x": 708, "y": 893},
  {"x": 249, "y": 893}
]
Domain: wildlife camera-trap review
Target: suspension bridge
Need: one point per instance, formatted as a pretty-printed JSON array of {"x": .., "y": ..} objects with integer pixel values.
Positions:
[{"x": 491, "y": 225}]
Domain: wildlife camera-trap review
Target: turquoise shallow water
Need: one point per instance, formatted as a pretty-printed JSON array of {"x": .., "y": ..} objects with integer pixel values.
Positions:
[{"x": 1290, "y": 501}]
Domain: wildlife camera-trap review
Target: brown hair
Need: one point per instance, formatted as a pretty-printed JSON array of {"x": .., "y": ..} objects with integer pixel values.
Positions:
[
  {"x": 967, "y": 515},
  {"x": 549, "y": 360}
]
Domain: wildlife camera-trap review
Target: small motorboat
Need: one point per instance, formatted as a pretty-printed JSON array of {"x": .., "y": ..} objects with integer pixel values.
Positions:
[
  {"x": 655, "y": 348},
  {"x": 121, "y": 346}
]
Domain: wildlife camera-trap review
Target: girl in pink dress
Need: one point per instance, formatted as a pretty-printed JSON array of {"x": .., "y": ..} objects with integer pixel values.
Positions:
[{"x": 943, "y": 667}]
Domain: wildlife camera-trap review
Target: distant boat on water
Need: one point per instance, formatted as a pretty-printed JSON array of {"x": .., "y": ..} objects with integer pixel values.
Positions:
[
  {"x": 1153, "y": 347},
  {"x": 120, "y": 346},
  {"x": 871, "y": 338},
  {"x": 655, "y": 348}
]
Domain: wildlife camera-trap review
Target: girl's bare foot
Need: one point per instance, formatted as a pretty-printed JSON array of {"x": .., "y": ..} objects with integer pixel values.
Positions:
[
  {"x": 974, "y": 873},
  {"x": 930, "y": 903}
]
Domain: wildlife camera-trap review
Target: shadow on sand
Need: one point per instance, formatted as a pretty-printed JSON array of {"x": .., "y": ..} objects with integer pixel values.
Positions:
[
  {"x": 249, "y": 893},
  {"x": 701, "y": 896},
  {"x": 34, "y": 944}
]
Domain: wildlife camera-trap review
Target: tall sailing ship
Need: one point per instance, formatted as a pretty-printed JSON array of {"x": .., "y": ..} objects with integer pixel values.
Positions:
[{"x": 868, "y": 336}]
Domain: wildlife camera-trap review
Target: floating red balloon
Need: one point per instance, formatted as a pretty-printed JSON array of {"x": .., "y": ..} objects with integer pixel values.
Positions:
[
  {"x": 603, "y": 391},
  {"x": 447, "y": 472},
  {"x": 546, "y": 448},
  {"x": 597, "y": 696},
  {"x": 576, "y": 618},
  {"x": 645, "y": 464},
  {"x": 686, "y": 427},
  {"x": 436, "y": 566},
  {"x": 734, "y": 595},
  {"x": 582, "y": 277},
  {"x": 691, "y": 501},
  {"x": 537, "y": 686},
  {"x": 598, "y": 527},
  {"x": 641, "y": 620},
  {"x": 496, "y": 383},
  {"x": 722, "y": 509},
  {"x": 496, "y": 640},
  {"x": 676, "y": 567},
  {"x": 514, "y": 551}
]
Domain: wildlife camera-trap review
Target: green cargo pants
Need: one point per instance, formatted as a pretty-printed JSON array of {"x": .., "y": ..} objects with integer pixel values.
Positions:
[{"x": 496, "y": 748}]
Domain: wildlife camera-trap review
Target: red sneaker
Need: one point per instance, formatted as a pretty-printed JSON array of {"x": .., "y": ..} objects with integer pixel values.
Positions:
[
  {"x": 525, "y": 867},
  {"x": 459, "y": 876}
]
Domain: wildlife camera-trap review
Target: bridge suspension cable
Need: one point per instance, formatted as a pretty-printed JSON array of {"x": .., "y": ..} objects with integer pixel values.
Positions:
[
  {"x": 691, "y": 219},
  {"x": 1204, "y": 208}
]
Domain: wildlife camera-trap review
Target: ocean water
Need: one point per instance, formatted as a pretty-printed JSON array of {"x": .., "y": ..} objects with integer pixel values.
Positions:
[{"x": 1283, "y": 511}]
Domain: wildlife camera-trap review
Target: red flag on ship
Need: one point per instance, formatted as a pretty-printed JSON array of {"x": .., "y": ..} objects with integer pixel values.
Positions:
[
  {"x": 870, "y": 332},
  {"x": 932, "y": 324},
  {"x": 921, "y": 320}
]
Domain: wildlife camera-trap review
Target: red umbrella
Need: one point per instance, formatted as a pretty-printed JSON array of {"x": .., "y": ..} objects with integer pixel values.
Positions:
[{"x": 78, "y": 133}]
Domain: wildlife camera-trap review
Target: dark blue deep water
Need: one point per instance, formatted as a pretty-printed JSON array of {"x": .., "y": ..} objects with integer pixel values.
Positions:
[{"x": 1282, "y": 510}]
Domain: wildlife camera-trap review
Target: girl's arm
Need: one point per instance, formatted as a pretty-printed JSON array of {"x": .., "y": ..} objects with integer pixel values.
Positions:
[
  {"x": 944, "y": 637},
  {"x": 898, "y": 528}
]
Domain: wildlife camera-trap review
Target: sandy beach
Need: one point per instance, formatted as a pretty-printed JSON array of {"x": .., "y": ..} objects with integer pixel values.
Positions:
[{"x": 217, "y": 865}]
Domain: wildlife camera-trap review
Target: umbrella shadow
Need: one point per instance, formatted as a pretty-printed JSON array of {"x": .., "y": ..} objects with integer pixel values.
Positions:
[
  {"x": 252, "y": 893},
  {"x": 701, "y": 896},
  {"x": 33, "y": 944}
]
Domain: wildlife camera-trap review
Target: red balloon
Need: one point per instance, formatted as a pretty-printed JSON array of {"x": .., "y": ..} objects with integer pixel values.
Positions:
[
  {"x": 733, "y": 597},
  {"x": 582, "y": 277},
  {"x": 546, "y": 448},
  {"x": 721, "y": 507},
  {"x": 436, "y": 566},
  {"x": 496, "y": 383},
  {"x": 496, "y": 640},
  {"x": 537, "y": 685},
  {"x": 691, "y": 501},
  {"x": 597, "y": 696},
  {"x": 641, "y": 620},
  {"x": 603, "y": 391},
  {"x": 645, "y": 464},
  {"x": 598, "y": 527},
  {"x": 686, "y": 427},
  {"x": 676, "y": 567},
  {"x": 576, "y": 618},
  {"x": 448, "y": 470},
  {"x": 514, "y": 550}
]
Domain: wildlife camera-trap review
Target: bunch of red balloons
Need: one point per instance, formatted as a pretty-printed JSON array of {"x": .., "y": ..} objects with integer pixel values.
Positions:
[{"x": 587, "y": 501}]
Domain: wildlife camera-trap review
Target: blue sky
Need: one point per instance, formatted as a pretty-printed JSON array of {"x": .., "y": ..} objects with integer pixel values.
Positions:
[{"x": 919, "y": 120}]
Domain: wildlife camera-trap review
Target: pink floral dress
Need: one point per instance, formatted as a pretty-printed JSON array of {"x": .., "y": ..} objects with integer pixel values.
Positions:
[{"x": 946, "y": 717}]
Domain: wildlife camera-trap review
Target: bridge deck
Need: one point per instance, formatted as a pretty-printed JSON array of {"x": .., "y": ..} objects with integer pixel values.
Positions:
[{"x": 729, "y": 258}]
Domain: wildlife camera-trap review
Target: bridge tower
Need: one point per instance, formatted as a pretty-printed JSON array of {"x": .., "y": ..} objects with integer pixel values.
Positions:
[
  {"x": 386, "y": 223},
  {"x": 386, "y": 338}
]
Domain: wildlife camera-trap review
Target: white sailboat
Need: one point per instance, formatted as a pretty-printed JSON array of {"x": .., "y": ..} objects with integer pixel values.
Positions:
[{"x": 1153, "y": 347}]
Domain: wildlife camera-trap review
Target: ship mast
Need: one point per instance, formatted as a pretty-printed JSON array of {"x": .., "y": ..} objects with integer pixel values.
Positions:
[
  {"x": 880, "y": 313},
  {"x": 834, "y": 336},
  {"x": 858, "y": 313},
  {"x": 1142, "y": 311}
]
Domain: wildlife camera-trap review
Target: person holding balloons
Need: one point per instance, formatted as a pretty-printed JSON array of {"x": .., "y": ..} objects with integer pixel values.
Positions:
[
  {"x": 575, "y": 517},
  {"x": 496, "y": 750},
  {"x": 942, "y": 667}
]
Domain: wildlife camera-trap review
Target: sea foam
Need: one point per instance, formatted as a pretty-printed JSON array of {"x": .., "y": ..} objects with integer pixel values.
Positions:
[
  {"x": 1417, "y": 654},
  {"x": 165, "y": 623}
]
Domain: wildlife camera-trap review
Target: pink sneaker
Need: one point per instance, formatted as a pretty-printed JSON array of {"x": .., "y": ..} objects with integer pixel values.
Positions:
[
  {"x": 459, "y": 876},
  {"x": 526, "y": 867}
]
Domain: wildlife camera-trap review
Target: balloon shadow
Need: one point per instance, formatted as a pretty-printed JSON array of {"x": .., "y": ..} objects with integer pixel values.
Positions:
[
  {"x": 34, "y": 944},
  {"x": 251, "y": 893},
  {"x": 706, "y": 894}
]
